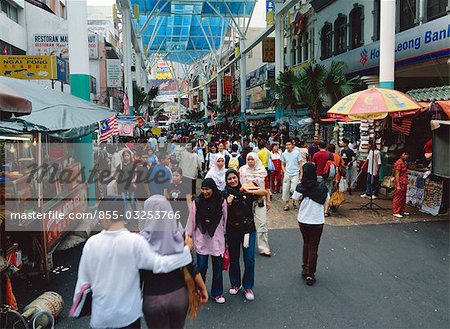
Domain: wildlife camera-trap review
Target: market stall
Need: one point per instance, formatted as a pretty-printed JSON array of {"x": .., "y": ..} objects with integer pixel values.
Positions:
[{"x": 41, "y": 175}]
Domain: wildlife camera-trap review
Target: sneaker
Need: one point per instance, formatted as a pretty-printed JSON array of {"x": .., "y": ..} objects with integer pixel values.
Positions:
[
  {"x": 219, "y": 299},
  {"x": 234, "y": 290},
  {"x": 374, "y": 197},
  {"x": 364, "y": 196},
  {"x": 294, "y": 206},
  {"x": 310, "y": 281},
  {"x": 406, "y": 214},
  {"x": 249, "y": 295},
  {"x": 397, "y": 215}
]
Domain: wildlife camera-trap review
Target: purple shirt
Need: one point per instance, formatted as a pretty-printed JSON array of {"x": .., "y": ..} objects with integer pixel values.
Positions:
[{"x": 204, "y": 244}]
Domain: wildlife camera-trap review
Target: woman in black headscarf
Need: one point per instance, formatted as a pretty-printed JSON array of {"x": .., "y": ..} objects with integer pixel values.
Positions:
[
  {"x": 207, "y": 225},
  {"x": 241, "y": 232},
  {"x": 311, "y": 217}
]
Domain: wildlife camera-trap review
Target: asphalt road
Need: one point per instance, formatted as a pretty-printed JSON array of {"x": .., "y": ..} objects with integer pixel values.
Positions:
[{"x": 372, "y": 276}]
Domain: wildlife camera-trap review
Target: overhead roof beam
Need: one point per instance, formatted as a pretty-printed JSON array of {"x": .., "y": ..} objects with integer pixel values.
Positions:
[{"x": 155, "y": 11}]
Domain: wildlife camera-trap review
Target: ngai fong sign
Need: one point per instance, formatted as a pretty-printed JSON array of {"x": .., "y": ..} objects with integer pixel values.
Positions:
[{"x": 426, "y": 41}]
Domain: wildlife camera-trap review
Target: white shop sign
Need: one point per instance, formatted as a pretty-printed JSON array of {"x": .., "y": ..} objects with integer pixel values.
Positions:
[
  {"x": 113, "y": 73},
  {"x": 57, "y": 44}
]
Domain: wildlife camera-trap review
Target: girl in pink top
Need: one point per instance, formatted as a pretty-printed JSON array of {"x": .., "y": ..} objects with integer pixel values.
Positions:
[{"x": 206, "y": 224}]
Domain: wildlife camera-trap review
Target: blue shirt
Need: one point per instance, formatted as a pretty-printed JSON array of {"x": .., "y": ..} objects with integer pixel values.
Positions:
[
  {"x": 291, "y": 159},
  {"x": 160, "y": 177}
]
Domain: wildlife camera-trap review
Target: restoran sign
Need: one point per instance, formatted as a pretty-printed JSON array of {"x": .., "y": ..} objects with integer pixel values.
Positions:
[
  {"x": 58, "y": 45},
  {"x": 426, "y": 41}
]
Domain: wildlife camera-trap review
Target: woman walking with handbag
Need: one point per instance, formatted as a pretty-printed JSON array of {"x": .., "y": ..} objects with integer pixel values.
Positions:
[
  {"x": 241, "y": 233},
  {"x": 207, "y": 225},
  {"x": 168, "y": 296},
  {"x": 311, "y": 218}
]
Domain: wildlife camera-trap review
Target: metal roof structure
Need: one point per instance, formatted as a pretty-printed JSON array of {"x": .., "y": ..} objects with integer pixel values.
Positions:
[{"x": 184, "y": 31}]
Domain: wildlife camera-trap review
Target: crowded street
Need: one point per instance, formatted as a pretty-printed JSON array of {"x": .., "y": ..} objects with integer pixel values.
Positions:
[{"x": 224, "y": 164}]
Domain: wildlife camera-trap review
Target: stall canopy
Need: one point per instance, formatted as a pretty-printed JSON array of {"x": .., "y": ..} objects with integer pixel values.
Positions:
[
  {"x": 186, "y": 30},
  {"x": 54, "y": 113}
]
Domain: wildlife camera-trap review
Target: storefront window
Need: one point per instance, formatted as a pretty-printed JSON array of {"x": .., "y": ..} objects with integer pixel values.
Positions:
[
  {"x": 436, "y": 9},
  {"x": 9, "y": 10},
  {"x": 326, "y": 41},
  {"x": 340, "y": 42},
  {"x": 293, "y": 49},
  {"x": 376, "y": 20},
  {"x": 305, "y": 46},
  {"x": 356, "y": 27},
  {"x": 407, "y": 14}
]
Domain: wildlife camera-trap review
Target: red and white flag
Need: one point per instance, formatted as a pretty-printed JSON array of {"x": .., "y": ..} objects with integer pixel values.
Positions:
[
  {"x": 126, "y": 104},
  {"x": 108, "y": 128}
]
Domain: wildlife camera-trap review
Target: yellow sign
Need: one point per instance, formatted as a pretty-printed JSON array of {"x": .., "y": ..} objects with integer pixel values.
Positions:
[
  {"x": 301, "y": 66},
  {"x": 136, "y": 11},
  {"x": 237, "y": 52},
  {"x": 28, "y": 67},
  {"x": 156, "y": 131},
  {"x": 270, "y": 18}
]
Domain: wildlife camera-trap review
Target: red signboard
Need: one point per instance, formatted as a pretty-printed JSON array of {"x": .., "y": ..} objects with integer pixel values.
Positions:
[
  {"x": 227, "y": 85},
  {"x": 55, "y": 226},
  {"x": 213, "y": 89}
]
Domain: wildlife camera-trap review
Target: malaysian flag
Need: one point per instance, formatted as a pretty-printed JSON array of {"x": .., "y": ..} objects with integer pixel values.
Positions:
[
  {"x": 363, "y": 55},
  {"x": 402, "y": 125},
  {"x": 108, "y": 128},
  {"x": 126, "y": 104}
]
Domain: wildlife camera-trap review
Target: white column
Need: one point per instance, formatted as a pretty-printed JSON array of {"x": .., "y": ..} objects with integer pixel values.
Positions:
[
  {"x": 78, "y": 37},
  {"x": 279, "y": 44},
  {"x": 205, "y": 95},
  {"x": 191, "y": 99},
  {"x": 243, "y": 75},
  {"x": 138, "y": 69},
  {"x": 219, "y": 79},
  {"x": 127, "y": 55},
  {"x": 387, "y": 44}
]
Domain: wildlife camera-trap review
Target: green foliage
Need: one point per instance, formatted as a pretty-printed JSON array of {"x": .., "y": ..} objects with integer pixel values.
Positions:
[{"x": 312, "y": 86}]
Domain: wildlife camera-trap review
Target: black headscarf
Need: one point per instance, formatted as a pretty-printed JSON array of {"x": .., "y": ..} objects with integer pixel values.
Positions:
[
  {"x": 309, "y": 187},
  {"x": 209, "y": 211},
  {"x": 232, "y": 190}
]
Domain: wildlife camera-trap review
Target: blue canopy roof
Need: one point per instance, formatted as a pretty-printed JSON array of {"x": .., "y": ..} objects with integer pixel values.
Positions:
[{"x": 186, "y": 30}]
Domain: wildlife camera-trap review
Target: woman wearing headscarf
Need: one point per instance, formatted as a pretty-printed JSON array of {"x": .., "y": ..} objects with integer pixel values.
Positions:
[
  {"x": 241, "y": 232},
  {"x": 311, "y": 217},
  {"x": 207, "y": 226},
  {"x": 217, "y": 171},
  {"x": 166, "y": 296},
  {"x": 254, "y": 174}
]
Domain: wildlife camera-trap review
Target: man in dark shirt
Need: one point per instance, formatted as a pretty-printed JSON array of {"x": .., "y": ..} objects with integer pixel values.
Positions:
[
  {"x": 320, "y": 158},
  {"x": 160, "y": 175},
  {"x": 349, "y": 157},
  {"x": 314, "y": 147}
]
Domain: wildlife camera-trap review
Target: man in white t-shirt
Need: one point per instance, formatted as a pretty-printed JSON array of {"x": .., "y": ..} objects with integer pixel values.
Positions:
[
  {"x": 373, "y": 163},
  {"x": 161, "y": 142},
  {"x": 110, "y": 264},
  {"x": 153, "y": 143},
  {"x": 291, "y": 164}
]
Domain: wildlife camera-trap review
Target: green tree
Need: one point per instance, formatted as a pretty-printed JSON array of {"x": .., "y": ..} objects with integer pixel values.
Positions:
[
  {"x": 143, "y": 100},
  {"x": 283, "y": 89}
]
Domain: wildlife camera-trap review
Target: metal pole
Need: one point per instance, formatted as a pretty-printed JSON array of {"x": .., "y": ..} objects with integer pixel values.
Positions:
[
  {"x": 243, "y": 77},
  {"x": 279, "y": 43},
  {"x": 387, "y": 44},
  {"x": 219, "y": 79},
  {"x": 127, "y": 56}
]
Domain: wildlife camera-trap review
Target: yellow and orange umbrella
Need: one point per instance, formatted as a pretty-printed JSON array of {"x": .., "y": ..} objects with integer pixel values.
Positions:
[{"x": 374, "y": 103}]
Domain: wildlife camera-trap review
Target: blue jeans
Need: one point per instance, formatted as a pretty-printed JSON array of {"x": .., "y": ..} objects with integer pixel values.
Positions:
[
  {"x": 217, "y": 281},
  {"x": 131, "y": 198},
  {"x": 371, "y": 185},
  {"x": 234, "y": 244}
]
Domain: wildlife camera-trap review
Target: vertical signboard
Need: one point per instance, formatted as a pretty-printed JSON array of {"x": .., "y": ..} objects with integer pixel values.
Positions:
[
  {"x": 113, "y": 73},
  {"x": 268, "y": 50},
  {"x": 270, "y": 12},
  {"x": 213, "y": 89},
  {"x": 227, "y": 85}
]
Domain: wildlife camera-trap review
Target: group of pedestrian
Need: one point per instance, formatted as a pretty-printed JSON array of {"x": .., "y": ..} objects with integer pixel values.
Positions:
[{"x": 228, "y": 214}]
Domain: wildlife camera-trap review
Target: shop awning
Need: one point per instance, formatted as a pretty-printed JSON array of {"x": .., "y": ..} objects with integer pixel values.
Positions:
[
  {"x": 445, "y": 106},
  {"x": 11, "y": 103},
  {"x": 259, "y": 116},
  {"x": 441, "y": 93},
  {"x": 54, "y": 113}
]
